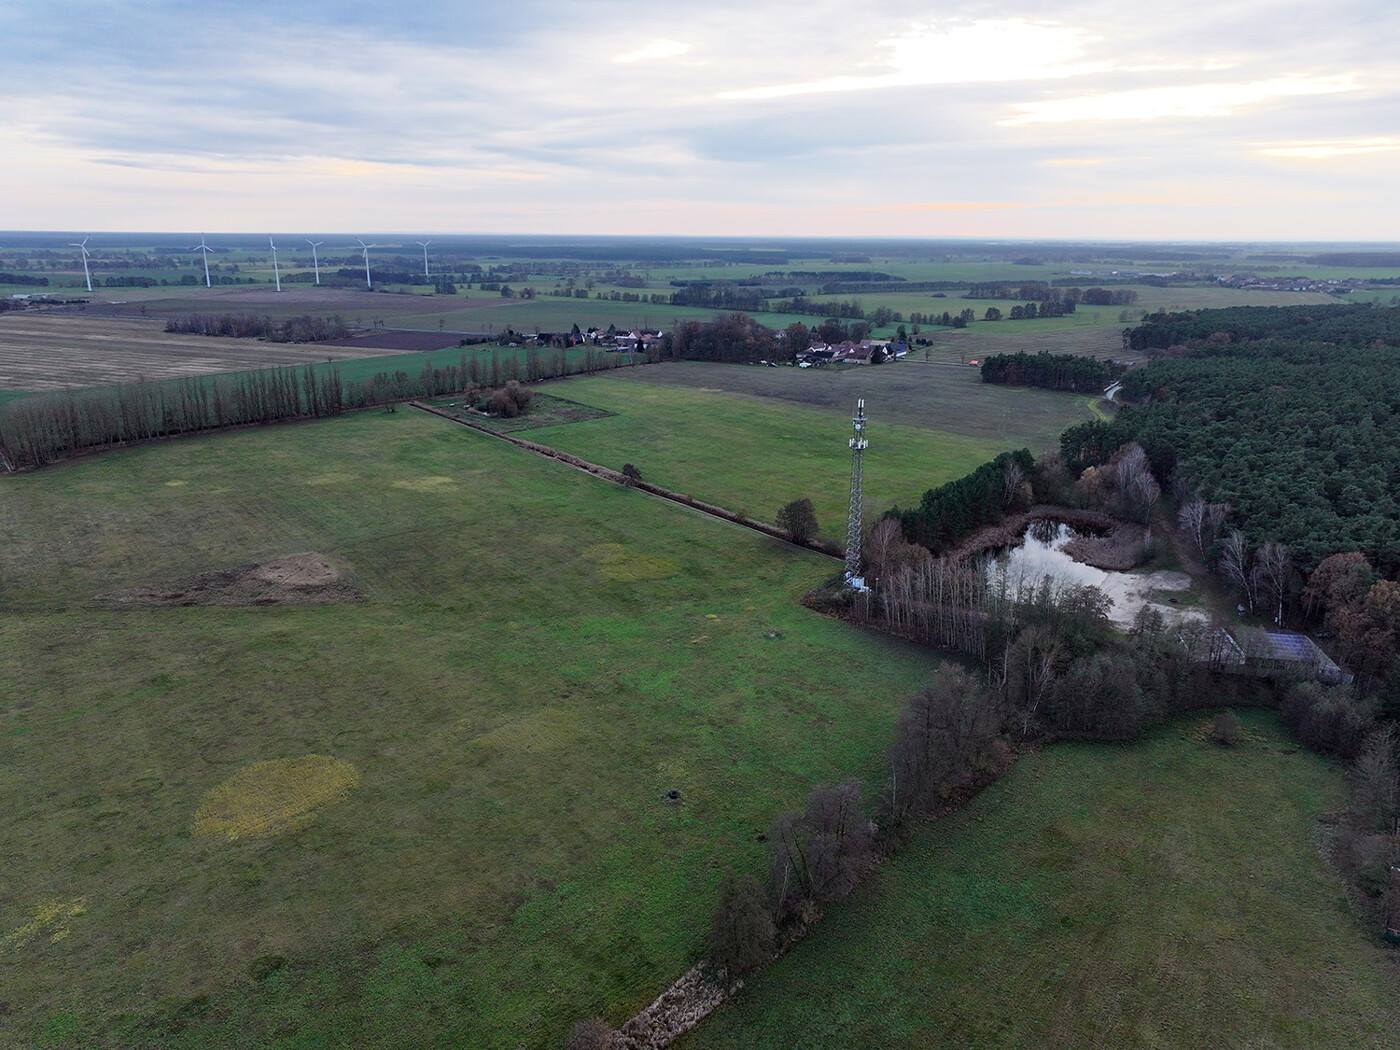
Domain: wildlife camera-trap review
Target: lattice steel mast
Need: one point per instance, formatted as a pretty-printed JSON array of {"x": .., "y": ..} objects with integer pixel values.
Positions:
[{"x": 853, "y": 522}]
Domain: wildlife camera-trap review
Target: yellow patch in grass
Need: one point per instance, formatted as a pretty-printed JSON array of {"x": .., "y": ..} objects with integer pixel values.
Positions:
[
  {"x": 50, "y": 920},
  {"x": 428, "y": 484},
  {"x": 615, "y": 562},
  {"x": 269, "y": 798},
  {"x": 549, "y": 729},
  {"x": 175, "y": 484}
]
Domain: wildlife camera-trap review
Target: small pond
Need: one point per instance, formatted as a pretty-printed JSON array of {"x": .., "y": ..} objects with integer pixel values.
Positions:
[{"x": 1041, "y": 554}]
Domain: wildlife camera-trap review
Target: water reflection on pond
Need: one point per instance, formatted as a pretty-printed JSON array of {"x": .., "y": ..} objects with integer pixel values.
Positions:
[{"x": 1041, "y": 554}]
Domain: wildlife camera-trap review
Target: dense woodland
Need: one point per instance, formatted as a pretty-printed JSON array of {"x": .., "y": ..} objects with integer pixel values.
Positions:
[
  {"x": 729, "y": 337},
  {"x": 1349, "y": 324},
  {"x": 1300, "y": 438},
  {"x": 1053, "y": 371},
  {"x": 1284, "y": 456},
  {"x": 953, "y": 511}
]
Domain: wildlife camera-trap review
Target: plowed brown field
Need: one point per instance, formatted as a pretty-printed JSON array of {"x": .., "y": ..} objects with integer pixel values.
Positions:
[{"x": 49, "y": 351}]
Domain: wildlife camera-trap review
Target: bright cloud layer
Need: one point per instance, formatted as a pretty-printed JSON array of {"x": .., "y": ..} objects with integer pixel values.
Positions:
[
  {"x": 735, "y": 117},
  {"x": 653, "y": 51},
  {"x": 982, "y": 52},
  {"x": 1191, "y": 100}
]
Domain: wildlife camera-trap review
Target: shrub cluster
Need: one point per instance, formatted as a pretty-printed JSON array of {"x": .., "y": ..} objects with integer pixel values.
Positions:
[{"x": 510, "y": 400}]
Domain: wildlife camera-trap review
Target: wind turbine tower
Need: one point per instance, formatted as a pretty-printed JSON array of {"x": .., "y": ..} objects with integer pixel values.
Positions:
[
  {"x": 276, "y": 273},
  {"x": 315, "y": 262},
  {"x": 424, "y": 246},
  {"x": 202, "y": 247},
  {"x": 83, "y": 245},
  {"x": 366, "y": 247},
  {"x": 859, "y": 444}
]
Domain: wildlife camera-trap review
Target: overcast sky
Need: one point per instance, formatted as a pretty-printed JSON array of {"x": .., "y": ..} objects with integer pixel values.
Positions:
[{"x": 1181, "y": 119}]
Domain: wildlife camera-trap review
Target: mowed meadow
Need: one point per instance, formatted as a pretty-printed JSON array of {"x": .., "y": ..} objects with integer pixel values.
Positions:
[
  {"x": 482, "y": 849},
  {"x": 752, "y": 439},
  {"x": 1167, "y": 894}
]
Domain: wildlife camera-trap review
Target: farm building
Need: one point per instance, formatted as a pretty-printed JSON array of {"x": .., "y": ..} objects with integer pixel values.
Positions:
[{"x": 1264, "y": 653}]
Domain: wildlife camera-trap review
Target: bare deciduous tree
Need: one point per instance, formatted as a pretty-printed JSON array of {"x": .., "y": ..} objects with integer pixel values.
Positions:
[
  {"x": 1212, "y": 524},
  {"x": 820, "y": 855},
  {"x": 1376, "y": 779},
  {"x": 1014, "y": 490},
  {"x": 1029, "y": 668},
  {"x": 741, "y": 930},
  {"x": 1234, "y": 565},
  {"x": 1189, "y": 518},
  {"x": 945, "y": 731},
  {"x": 1131, "y": 476},
  {"x": 798, "y": 519},
  {"x": 1269, "y": 576}
]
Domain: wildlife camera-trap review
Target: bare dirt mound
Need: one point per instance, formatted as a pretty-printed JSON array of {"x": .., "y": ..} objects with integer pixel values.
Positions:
[{"x": 297, "y": 579}]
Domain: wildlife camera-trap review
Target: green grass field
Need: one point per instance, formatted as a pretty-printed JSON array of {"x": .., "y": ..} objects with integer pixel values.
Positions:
[
  {"x": 752, "y": 439},
  {"x": 1164, "y": 895},
  {"x": 539, "y": 657},
  {"x": 483, "y": 852}
]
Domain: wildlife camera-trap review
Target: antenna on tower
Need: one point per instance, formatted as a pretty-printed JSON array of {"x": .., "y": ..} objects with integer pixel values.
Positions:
[
  {"x": 83, "y": 245},
  {"x": 315, "y": 262},
  {"x": 368, "y": 283},
  {"x": 202, "y": 247},
  {"x": 276, "y": 274},
  {"x": 424, "y": 246},
  {"x": 859, "y": 444}
]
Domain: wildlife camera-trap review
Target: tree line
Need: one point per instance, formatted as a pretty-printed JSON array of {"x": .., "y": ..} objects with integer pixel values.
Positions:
[
  {"x": 45, "y": 427},
  {"x": 1052, "y": 371},
  {"x": 1045, "y": 293},
  {"x": 955, "y": 510},
  {"x": 1352, "y": 324},
  {"x": 304, "y": 329}
]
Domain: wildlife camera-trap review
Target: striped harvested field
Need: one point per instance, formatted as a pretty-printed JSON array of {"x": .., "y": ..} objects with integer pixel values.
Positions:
[{"x": 51, "y": 351}]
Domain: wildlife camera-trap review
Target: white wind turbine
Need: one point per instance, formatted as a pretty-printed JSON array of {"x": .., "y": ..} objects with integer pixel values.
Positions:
[
  {"x": 202, "y": 247},
  {"x": 276, "y": 273},
  {"x": 424, "y": 246},
  {"x": 315, "y": 262},
  {"x": 366, "y": 247},
  {"x": 83, "y": 245}
]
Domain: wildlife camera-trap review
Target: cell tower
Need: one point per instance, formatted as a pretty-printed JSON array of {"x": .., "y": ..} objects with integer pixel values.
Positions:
[{"x": 853, "y": 523}]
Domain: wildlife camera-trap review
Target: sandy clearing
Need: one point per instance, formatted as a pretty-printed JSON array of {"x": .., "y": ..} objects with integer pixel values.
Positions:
[{"x": 295, "y": 579}]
